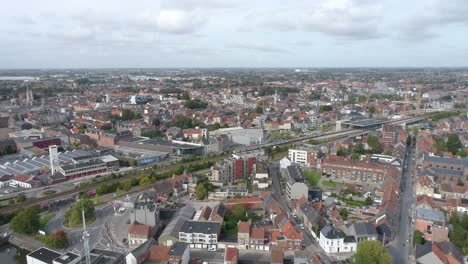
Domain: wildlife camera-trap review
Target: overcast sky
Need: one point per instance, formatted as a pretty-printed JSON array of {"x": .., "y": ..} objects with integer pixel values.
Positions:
[{"x": 232, "y": 33}]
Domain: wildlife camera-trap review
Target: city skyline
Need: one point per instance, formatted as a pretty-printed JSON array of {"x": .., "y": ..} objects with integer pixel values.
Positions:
[{"x": 211, "y": 33}]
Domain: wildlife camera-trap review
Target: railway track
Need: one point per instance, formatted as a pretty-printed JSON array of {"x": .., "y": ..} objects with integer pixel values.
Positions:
[{"x": 127, "y": 175}]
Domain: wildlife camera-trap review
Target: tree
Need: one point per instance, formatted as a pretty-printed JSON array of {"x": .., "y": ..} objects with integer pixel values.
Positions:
[
  {"x": 373, "y": 142},
  {"x": 238, "y": 211},
  {"x": 453, "y": 143},
  {"x": 341, "y": 151},
  {"x": 145, "y": 180},
  {"x": 460, "y": 183},
  {"x": 372, "y": 109},
  {"x": 458, "y": 236},
  {"x": 388, "y": 153},
  {"x": 440, "y": 144},
  {"x": 368, "y": 201},
  {"x": 415, "y": 131},
  {"x": 127, "y": 186},
  {"x": 354, "y": 156},
  {"x": 344, "y": 213},
  {"x": 371, "y": 252},
  {"x": 408, "y": 141},
  {"x": 58, "y": 240},
  {"x": 74, "y": 214},
  {"x": 26, "y": 221},
  {"x": 195, "y": 104},
  {"x": 201, "y": 192},
  {"x": 325, "y": 108},
  {"x": 462, "y": 153},
  {"x": 96, "y": 198},
  {"x": 359, "y": 148},
  {"x": 418, "y": 238}
]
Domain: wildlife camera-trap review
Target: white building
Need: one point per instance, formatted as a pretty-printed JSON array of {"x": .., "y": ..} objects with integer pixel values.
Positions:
[
  {"x": 200, "y": 234},
  {"x": 17, "y": 180},
  {"x": 48, "y": 256},
  {"x": 298, "y": 156},
  {"x": 334, "y": 241}
]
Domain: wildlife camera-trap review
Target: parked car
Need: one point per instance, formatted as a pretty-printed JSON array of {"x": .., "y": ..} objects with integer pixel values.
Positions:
[{"x": 212, "y": 249}]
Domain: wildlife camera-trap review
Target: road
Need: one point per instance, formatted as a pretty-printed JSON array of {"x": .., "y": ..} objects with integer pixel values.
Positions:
[{"x": 401, "y": 247}]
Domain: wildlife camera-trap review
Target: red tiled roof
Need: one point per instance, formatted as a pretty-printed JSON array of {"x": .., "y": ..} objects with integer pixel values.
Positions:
[
  {"x": 277, "y": 255},
  {"x": 159, "y": 252},
  {"x": 22, "y": 177},
  {"x": 258, "y": 233},
  {"x": 138, "y": 229},
  {"x": 290, "y": 232},
  {"x": 244, "y": 200},
  {"x": 231, "y": 254},
  {"x": 244, "y": 227}
]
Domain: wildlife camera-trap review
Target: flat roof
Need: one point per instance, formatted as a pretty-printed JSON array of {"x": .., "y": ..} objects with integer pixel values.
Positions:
[{"x": 45, "y": 255}]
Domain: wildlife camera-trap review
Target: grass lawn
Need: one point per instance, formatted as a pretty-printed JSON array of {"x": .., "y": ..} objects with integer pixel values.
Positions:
[
  {"x": 351, "y": 202},
  {"x": 49, "y": 192},
  {"x": 330, "y": 183},
  {"x": 69, "y": 184},
  {"x": 313, "y": 177},
  {"x": 78, "y": 225}
]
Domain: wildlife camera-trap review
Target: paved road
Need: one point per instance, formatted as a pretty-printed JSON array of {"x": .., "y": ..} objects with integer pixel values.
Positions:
[{"x": 402, "y": 245}]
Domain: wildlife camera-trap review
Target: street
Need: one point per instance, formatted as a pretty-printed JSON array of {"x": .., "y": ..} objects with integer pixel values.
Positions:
[{"x": 401, "y": 247}]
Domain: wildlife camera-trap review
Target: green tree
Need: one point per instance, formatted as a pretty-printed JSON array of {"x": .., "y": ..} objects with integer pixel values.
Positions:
[
  {"x": 372, "y": 109},
  {"x": 26, "y": 221},
  {"x": 359, "y": 148},
  {"x": 74, "y": 214},
  {"x": 462, "y": 153},
  {"x": 201, "y": 192},
  {"x": 408, "y": 141},
  {"x": 325, "y": 108},
  {"x": 371, "y": 252},
  {"x": 58, "y": 240},
  {"x": 195, "y": 104},
  {"x": 354, "y": 156},
  {"x": 388, "y": 153},
  {"x": 341, "y": 151},
  {"x": 458, "y": 236},
  {"x": 453, "y": 143},
  {"x": 344, "y": 213},
  {"x": 440, "y": 144},
  {"x": 238, "y": 211},
  {"x": 127, "y": 186},
  {"x": 373, "y": 142},
  {"x": 134, "y": 181},
  {"x": 145, "y": 180},
  {"x": 418, "y": 237}
]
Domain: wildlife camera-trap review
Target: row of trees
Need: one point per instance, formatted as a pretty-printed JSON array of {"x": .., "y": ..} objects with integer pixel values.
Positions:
[
  {"x": 195, "y": 104},
  {"x": 459, "y": 233},
  {"x": 453, "y": 145},
  {"x": 28, "y": 221}
]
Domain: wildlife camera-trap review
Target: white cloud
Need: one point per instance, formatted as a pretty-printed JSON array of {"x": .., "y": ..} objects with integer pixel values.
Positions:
[
  {"x": 351, "y": 19},
  {"x": 177, "y": 21},
  {"x": 429, "y": 18}
]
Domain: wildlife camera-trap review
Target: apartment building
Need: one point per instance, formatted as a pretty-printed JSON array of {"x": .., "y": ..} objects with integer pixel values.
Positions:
[
  {"x": 306, "y": 156},
  {"x": 348, "y": 170},
  {"x": 200, "y": 234}
]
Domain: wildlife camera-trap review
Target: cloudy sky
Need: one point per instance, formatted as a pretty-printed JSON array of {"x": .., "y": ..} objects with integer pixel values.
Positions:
[{"x": 233, "y": 33}]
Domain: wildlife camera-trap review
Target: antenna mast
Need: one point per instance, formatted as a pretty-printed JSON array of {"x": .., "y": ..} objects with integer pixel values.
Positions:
[{"x": 85, "y": 238}]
